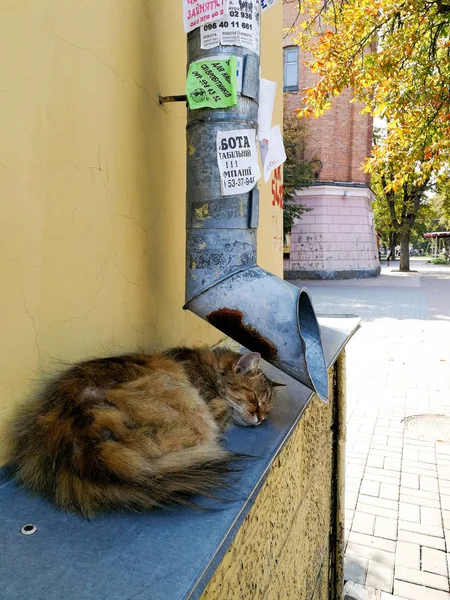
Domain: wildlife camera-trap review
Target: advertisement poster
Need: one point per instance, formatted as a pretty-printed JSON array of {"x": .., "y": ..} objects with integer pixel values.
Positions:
[
  {"x": 238, "y": 161},
  {"x": 212, "y": 83},
  {"x": 239, "y": 28},
  {"x": 239, "y": 72},
  {"x": 199, "y": 12}
]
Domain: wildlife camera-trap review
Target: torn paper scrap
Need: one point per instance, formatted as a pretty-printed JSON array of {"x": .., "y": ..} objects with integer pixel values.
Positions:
[
  {"x": 272, "y": 152},
  {"x": 267, "y": 91},
  {"x": 266, "y": 4}
]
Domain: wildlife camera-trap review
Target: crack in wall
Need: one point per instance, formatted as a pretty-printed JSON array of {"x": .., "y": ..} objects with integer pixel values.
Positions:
[
  {"x": 36, "y": 334},
  {"x": 124, "y": 79},
  {"x": 71, "y": 162},
  {"x": 156, "y": 102},
  {"x": 13, "y": 175}
]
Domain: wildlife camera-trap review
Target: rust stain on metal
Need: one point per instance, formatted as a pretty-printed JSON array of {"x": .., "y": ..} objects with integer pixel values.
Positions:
[{"x": 230, "y": 321}]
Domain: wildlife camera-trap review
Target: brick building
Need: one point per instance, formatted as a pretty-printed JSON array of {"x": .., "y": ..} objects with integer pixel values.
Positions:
[{"x": 336, "y": 240}]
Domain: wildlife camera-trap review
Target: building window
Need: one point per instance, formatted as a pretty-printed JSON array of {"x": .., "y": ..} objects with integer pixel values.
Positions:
[{"x": 290, "y": 68}]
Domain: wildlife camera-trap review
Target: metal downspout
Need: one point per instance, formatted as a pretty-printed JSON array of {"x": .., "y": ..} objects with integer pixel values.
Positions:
[{"x": 224, "y": 285}]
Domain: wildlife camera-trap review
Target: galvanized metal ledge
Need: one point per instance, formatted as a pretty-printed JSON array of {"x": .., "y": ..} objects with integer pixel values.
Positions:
[{"x": 124, "y": 556}]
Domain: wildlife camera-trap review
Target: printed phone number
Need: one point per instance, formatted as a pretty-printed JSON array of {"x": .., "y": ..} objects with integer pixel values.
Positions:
[
  {"x": 200, "y": 20},
  {"x": 225, "y": 24},
  {"x": 239, "y": 182}
]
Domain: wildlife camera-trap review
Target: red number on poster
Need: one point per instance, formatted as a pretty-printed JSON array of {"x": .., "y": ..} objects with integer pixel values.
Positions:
[{"x": 277, "y": 188}]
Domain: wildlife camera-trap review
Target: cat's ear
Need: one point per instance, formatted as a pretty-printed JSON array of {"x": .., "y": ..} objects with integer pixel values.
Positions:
[{"x": 248, "y": 364}]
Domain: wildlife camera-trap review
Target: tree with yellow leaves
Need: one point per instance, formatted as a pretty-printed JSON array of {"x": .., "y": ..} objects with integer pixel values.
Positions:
[{"x": 395, "y": 57}]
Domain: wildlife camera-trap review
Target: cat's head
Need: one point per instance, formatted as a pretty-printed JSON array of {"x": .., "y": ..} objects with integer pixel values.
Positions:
[{"x": 248, "y": 391}]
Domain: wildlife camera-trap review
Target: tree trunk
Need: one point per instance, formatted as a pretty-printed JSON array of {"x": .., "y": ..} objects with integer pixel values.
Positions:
[
  {"x": 404, "y": 250},
  {"x": 392, "y": 237}
]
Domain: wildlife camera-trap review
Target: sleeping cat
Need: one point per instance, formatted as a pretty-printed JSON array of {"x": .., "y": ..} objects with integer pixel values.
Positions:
[{"x": 136, "y": 431}]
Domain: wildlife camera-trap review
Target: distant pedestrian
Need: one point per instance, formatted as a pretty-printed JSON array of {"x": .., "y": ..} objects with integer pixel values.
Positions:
[{"x": 388, "y": 257}]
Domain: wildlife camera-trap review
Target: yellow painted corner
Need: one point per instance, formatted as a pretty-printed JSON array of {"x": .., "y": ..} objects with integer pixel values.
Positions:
[{"x": 92, "y": 184}]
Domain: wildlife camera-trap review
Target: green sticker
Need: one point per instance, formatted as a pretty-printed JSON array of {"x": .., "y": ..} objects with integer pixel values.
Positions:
[{"x": 212, "y": 83}]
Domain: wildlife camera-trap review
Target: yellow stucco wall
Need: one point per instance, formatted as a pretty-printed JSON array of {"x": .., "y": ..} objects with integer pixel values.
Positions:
[
  {"x": 92, "y": 183},
  {"x": 282, "y": 549}
]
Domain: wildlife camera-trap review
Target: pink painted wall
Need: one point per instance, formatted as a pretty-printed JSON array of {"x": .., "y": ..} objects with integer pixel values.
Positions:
[
  {"x": 338, "y": 233},
  {"x": 337, "y": 239}
]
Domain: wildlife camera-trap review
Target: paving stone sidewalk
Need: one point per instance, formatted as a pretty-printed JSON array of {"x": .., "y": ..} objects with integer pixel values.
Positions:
[{"x": 398, "y": 484}]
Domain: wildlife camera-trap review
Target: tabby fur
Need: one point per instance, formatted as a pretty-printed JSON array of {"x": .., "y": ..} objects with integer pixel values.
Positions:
[{"x": 136, "y": 431}]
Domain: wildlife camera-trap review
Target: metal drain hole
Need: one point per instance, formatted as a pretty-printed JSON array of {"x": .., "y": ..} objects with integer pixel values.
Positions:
[
  {"x": 28, "y": 529},
  {"x": 435, "y": 428}
]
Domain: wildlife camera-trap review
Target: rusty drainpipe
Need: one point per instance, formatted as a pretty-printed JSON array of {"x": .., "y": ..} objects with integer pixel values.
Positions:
[{"x": 224, "y": 285}]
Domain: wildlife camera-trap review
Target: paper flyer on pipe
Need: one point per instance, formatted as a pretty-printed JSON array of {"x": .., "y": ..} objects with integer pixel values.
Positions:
[
  {"x": 239, "y": 27},
  {"x": 237, "y": 158},
  {"x": 239, "y": 73},
  {"x": 199, "y": 12},
  {"x": 212, "y": 83}
]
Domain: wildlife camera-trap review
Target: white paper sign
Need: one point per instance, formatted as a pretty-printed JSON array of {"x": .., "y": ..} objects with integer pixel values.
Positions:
[
  {"x": 267, "y": 91},
  {"x": 199, "y": 12},
  {"x": 238, "y": 161},
  {"x": 211, "y": 33},
  {"x": 266, "y": 4},
  {"x": 272, "y": 152},
  {"x": 239, "y": 28}
]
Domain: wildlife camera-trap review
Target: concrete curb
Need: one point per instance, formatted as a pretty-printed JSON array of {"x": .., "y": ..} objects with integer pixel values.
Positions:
[{"x": 330, "y": 274}]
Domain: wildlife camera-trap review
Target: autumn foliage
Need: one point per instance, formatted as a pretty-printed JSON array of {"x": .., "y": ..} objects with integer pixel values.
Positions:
[{"x": 395, "y": 57}]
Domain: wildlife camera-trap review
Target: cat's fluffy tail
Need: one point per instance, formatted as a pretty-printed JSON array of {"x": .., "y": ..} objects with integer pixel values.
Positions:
[
  {"x": 172, "y": 479},
  {"x": 125, "y": 479},
  {"x": 169, "y": 478}
]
